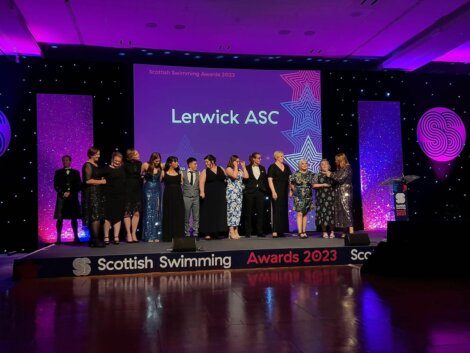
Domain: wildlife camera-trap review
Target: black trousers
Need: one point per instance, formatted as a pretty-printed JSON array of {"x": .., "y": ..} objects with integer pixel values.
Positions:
[{"x": 254, "y": 207}]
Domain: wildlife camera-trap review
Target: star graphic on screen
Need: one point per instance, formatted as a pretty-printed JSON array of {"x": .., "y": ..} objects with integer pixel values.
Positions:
[
  {"x": 308, "y": 152},
  {"x": 301, "y": 79},
  {"x": 299, "y": 139},
  {"x": 306, "y": 113}
]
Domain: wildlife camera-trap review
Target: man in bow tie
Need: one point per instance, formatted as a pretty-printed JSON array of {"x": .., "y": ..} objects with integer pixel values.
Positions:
[
  {"x": 67, "y": 184},
  {"x": 191, "y": 196}
]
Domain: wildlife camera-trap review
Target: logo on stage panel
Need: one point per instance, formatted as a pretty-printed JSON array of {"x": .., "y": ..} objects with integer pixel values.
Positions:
[
  {"x": 441, "y": 134},
  {"x": 81, "y": 266},
  {"x": 5, "y": 133}
]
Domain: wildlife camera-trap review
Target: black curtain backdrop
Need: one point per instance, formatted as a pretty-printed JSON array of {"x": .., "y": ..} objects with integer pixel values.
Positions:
[{"x": 111, "y": 85}]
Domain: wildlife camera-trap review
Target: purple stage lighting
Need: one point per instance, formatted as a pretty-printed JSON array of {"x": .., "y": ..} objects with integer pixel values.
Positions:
[
  {"x": 380, "y": 156},
  {"x": 5, "y": 133},
  {"x": 64, "y": 126}
]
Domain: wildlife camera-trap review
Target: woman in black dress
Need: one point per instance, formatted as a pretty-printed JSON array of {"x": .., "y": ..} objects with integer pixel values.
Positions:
[
  {"x": 213, "y": 216},
  {"x": 114, "y": 196},
  {"x": 92, "y": 196},
  {"x": 133, "y": 204},
  {"x": 173, "y": 203},
  {"x": 325, "y": 198},
  {"x": 278, "y": 180},
  {"x": 343, "y": 194}
]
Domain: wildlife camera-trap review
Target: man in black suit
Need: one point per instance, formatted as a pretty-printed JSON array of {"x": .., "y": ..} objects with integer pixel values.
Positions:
[
  {"x": 67, "y": 184},
  {"x": 256, "y": 188}
]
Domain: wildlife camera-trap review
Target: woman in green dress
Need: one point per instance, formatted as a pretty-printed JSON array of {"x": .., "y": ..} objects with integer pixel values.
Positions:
[{"x": 301, "y": 185}]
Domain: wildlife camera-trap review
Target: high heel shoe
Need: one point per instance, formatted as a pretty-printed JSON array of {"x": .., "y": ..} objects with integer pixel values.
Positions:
[
  {"x": 231, "y": 235},
  {"x": 106, "y": 240},
  {"x": 325, "y": 235},
  {"x": 236, "y": 234},
  {"x": 116, "y": 241}
]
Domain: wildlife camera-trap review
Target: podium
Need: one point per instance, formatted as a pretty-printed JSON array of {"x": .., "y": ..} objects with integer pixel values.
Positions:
[{"x": 399, "y": 187}]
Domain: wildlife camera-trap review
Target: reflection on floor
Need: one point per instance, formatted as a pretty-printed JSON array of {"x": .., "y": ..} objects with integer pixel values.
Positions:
[{"x": 329, "y": 309}]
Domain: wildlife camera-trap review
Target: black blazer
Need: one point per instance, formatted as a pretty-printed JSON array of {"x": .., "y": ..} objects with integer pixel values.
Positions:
[
  {"x": 63, "y": 182},
  {"x": 252, "y": 185}
]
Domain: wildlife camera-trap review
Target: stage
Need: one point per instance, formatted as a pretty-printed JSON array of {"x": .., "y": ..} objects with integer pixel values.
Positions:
[{"x": 80, "y": 260}]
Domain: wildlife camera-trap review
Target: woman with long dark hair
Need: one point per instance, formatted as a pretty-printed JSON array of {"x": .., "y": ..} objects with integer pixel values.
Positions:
[
  {"x": 152, "y": 198},
  {"x": 173, "y": 203},
  {"x": 92, "y": 196},
  {"x": 213, "y": 219}
]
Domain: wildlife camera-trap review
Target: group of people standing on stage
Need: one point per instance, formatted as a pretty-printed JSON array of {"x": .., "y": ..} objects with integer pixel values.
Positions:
[{"x": 174, "y": 201}]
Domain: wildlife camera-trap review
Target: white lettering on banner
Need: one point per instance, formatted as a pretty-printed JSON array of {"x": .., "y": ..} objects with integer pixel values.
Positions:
[
  {"x": 81, "y": 266},
  {"x": 360, "y": 255},
  {"x": 194, "y": 262},
  {"x": 261, "y": 117},
  {"x": 129, "y": 263}
]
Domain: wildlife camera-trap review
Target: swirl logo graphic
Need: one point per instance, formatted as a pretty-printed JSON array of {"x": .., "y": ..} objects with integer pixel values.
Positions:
[
  {"x": 441, "y": 134},
  {"x": 5, "y": 133},
  {"x": 81, "y": 266}
]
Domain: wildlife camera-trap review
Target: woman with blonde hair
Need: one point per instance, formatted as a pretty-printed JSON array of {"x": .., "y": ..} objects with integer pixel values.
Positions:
[
  {"x": 133, "y": 205},
  {"x": 325, "y": 199},
  {"x": 343, "y": 194},
  {"x": 278, "y": 181},
  {"x": 301, "y": 186},
  {"x": 114, "y": 197}
]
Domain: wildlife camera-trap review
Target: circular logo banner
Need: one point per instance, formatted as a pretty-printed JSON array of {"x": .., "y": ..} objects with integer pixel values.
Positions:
[
  {"x": 5, "y": 133},
  {"x": 441, "y": 134}
]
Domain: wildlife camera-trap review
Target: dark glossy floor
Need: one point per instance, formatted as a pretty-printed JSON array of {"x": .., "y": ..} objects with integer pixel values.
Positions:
[{"x": 327, "y": 309}]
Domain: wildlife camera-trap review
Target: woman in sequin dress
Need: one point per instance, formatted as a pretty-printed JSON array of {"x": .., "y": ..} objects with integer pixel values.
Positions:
[
  {"x": 236, "y": 172},
  {"x": 325, "y": 198},
  {"x": 301, "y": 186},
  {"x": 92, "y": 197},
  {"x": 152, "y": 199},
  {"x": 343, "y": 194}
]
